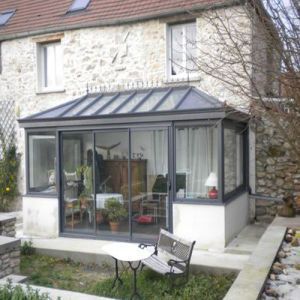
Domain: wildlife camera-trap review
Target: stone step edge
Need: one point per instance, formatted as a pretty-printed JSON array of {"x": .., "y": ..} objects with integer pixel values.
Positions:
[{"x": 14, "y": 278}]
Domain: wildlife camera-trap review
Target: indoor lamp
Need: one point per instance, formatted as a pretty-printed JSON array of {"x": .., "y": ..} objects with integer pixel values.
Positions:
[{"x": 212, "y": 181}]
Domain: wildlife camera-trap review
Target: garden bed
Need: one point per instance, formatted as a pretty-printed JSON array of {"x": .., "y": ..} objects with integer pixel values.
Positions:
[{"x": 97, "y": 280}]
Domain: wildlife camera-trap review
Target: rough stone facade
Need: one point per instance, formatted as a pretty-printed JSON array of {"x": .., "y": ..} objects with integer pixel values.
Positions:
[
  {"x": 7, "y": 225},
  {"x": 9, "y": 256},
  {"x": 277, "y": 173},
  {"x": 111, "y": 55}
]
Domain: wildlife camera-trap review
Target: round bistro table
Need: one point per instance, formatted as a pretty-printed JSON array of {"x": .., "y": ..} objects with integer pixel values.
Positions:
[{"x": 130, "y": 253}]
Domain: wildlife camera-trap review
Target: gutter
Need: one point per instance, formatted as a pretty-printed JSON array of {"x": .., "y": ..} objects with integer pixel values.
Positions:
[{"x": 128, "y": 20}]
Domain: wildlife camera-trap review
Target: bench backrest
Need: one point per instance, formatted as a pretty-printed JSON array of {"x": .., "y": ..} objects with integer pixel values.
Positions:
[{"x": 175, "y": 246}]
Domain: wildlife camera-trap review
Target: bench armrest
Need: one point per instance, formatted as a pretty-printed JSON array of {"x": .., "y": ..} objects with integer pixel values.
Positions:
[
  {"x": 144, "y": 245},
  {"x": 173, "y": 262}
]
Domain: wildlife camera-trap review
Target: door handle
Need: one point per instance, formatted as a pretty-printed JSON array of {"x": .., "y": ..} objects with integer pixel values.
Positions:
[{"x": 169, "y": 185}]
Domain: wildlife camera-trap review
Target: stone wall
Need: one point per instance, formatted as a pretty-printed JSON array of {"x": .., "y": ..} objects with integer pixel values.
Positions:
[
  {"x": 7, "y": 225},
  {"x": 265, "y": 209},
  {"x": 112, "y": 55},
  {"x": 9, "y": 256},
  {"x": 277, "y": 173}
]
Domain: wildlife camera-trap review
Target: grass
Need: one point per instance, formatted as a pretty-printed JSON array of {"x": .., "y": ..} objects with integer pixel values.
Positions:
[{"x": 92, "y": 279}]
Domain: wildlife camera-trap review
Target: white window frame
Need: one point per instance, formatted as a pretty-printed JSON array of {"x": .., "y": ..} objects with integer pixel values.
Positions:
[
  {"x": 185, "y": 74},
  {"x": 42, "y": 65}
]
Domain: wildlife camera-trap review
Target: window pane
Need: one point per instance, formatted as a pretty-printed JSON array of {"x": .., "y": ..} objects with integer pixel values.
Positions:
[
  {"x": 51, "y": 66},
  {"x": 132, "y": 103},
  {"x": 42, "y": 162},
  {"x": 4, "y": 17},
  {"x": 79, "y": 5},
  {"x": 177, "y": 49},
  {"x": 172, "y": 100},
  {"x": 190, "y": 46},
  {"x": 149, "y": 178},
  {"x": 150, "y": 103},
  {"x": 77, "y": 182},
  {"x": 98, "y": 105},
  {"x": 182, "y": 48},
  {"x": 233, "y": 159},
  {"x": 196, "y": 162},
  {"x": 111, "y": 178},
  {"x": 116, "y": 103}
]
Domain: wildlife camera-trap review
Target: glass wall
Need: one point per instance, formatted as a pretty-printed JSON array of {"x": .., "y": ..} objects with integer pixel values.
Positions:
[
  {"x": 233, "y": 158},
  {"x": 149, "y": 182},
  {"x": 111, "y": 179},
  {"x": 77, "y": 182},
  {"x": 42, "y": 162},
  {"x": 196, "y": 162}
]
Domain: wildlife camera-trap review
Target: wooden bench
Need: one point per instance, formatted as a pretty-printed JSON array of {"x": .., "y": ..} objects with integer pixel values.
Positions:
[{"x": 171, "y": 257}]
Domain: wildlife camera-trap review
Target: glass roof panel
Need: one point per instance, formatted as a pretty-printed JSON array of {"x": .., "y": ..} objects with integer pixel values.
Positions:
[
  {"x": 80, "y": 106},
  {"x": 79, "y": 5},
  {"x": 115, "y": 104},
  {"x": 55, "y": 112},
  {"x": 98, "y": 105},
  {"x": 5, "y": 16},
  {"x": 193, "y": 101},
  {"x": 155, "y": 97},
  {"x": 172, "y": 100},
  {"x": 131, "y": 102},
  {"x": 127, "y": 108}
]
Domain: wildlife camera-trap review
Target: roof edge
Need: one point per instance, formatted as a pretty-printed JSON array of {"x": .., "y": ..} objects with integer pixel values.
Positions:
[{"x": 113, "y": 22}]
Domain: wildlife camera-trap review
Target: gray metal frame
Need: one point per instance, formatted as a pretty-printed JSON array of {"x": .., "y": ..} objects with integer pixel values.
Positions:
[{"x": 168, "y": 123}]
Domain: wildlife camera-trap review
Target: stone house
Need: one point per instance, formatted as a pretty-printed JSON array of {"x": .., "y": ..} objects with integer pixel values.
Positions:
[{"x": 146, "y": 132}]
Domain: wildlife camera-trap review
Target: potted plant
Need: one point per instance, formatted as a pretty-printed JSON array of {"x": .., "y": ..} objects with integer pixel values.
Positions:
[{"x": 115, "y": 213}]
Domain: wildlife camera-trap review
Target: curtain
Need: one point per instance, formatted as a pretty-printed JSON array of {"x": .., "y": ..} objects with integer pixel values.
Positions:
[{"x": 196, "y": 157}]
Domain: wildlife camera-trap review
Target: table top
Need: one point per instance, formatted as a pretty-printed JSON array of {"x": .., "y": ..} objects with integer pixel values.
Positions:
[{"x": 127, "y": 252}]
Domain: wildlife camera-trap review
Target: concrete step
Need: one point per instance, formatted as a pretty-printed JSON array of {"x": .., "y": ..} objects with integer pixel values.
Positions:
[{"x": 13, "y": 278}]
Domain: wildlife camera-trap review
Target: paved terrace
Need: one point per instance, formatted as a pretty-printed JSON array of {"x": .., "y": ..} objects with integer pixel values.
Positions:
[
  {"x": 251, "y": 280},
  {"x": 233, "y": 258}
]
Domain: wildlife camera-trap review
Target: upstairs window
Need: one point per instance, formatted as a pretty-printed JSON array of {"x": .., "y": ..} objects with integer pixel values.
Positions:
[
  {"x": 182, "y": 49},
  {"x": 5, "y": 16},
  {"x": 50, "y": 66},
  {"x": 79, "y": 5}
]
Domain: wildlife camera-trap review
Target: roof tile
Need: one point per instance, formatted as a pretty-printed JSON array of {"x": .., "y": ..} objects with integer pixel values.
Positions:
[{"x": 34, "y": 15}]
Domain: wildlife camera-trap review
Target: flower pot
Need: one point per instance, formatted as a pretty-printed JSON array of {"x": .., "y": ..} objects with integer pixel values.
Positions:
[{"x": 114, "y": 226}]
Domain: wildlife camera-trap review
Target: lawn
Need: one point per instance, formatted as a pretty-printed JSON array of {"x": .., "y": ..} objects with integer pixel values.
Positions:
[{"x": 92, "y": 279}]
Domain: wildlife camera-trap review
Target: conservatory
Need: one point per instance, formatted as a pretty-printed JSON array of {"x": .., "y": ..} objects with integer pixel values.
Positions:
[{"x": 122, "y": 165}]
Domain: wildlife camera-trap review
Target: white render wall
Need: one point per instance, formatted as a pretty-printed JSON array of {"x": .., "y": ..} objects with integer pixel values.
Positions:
[
  {"x": 203, "y": 223},
  {"x": 40, "y": 217},
  {"x": 237, "y": 214}
]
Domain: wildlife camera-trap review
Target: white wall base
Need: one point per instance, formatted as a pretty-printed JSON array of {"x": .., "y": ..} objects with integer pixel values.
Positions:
[
  {"x": 203, "y": 223},
  {"x": 40, "y": 217}
]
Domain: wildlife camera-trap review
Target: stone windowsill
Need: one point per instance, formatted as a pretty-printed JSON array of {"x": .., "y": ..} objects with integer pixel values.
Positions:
[
  {"x": 176, "y": 79},
  {"x": 51, "y": 91}
]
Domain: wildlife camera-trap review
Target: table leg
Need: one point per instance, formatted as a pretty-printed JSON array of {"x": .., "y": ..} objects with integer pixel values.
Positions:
[
  {"x": 117, "y": 277},
  {"x": 134, "y": 269}
]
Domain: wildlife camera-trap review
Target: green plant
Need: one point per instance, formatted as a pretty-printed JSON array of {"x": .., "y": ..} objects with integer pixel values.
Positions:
[
  {"x": 115, "y": 210},
  {"x": 10, "y": 292},
  {"x": 27, "y": 249},
  {"x": 9, "y": 167}
]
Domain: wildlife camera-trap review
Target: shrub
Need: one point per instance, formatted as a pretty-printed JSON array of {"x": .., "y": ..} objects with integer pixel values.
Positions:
[
  {"x": 10, "y": 292},
  {"x": 27, "y": 249},
  {"x": 9, "y": 167}
]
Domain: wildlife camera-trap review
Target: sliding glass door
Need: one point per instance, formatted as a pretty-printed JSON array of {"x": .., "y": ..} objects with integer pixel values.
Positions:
[
  {"x": 149, "y": 182},
  {"x": 115, "y": 182},
  {"x": 77, "y": 182},
  {"x": 111, "y": 182}
]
